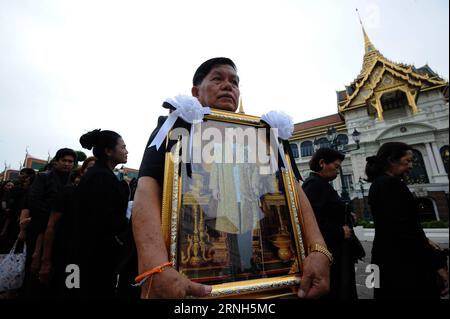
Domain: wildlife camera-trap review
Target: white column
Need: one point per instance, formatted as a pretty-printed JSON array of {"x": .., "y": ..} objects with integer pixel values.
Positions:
[
  {"x": 431, "y": 159},
  {"x": 437, "y": 156}
]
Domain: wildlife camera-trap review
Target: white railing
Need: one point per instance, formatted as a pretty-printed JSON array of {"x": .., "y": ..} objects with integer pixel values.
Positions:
[{"x": 438, "y": 235}]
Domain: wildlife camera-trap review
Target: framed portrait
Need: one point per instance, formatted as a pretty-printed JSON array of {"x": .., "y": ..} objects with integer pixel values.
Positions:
[{"x": 230, "y": 214}]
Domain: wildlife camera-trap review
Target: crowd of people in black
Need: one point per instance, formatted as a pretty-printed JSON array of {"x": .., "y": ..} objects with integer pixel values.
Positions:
[
  {"x": 70, "y": 216},
  {"x": 79, "y": 217},
  {"x": 411, "y": 266}
]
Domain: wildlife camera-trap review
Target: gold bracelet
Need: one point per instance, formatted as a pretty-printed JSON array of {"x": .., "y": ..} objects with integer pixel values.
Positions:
[{"x": 321, "y": 249}]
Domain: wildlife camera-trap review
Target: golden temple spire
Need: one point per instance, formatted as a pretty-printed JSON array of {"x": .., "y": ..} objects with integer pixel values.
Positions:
[
  {"x": 368, "y": 46},
  {"x": 241, "y": 106}
]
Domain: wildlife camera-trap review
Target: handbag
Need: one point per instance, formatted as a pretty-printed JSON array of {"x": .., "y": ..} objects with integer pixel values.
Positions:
[{"x": 12, "y": 269}]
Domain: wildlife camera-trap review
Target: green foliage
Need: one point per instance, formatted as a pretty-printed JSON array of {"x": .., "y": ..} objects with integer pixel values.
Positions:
[
  {"x": 435, "y": 224},
  {"x": 365, "y": 223},
  {"x": 81, "y": 156},
  {"x": 431, "y": 224}
]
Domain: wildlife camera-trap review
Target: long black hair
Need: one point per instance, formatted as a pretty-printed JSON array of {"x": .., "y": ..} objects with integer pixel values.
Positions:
[
  {"x": 99, "y": 140},
  {"x": 387, "y": 154}
]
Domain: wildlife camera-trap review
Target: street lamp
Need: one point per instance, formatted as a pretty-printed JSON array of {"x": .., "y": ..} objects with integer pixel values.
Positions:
[
  {"x": 316, "y": 144},
  {"x": 331, "y": 134},
  {"x": 336, "y": 145},
  {"x": 356, "y": 137}
]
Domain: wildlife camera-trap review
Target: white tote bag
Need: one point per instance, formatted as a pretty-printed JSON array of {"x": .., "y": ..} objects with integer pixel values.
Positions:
[{"x": 12, "y": 269}]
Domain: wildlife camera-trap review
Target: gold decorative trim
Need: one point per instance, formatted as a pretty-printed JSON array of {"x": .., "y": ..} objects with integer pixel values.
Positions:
[
  {"x": 405, "y": 89},
  {"x": 296, "y": 223},
  {"x": 305, "y": 134},
  {"x": 175, "y": 205},
  {"x": 321, "y": 127},
  {"x": 166, "y": 207},
  {"x": 294, "y": 208},
  {"x": 434, "y": 87},
  {"x": 233, "y": 117},
  {"x": 253, "y": 286}
]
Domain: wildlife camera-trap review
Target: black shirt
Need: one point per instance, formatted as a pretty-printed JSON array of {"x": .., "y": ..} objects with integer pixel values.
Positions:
[
  {"x": 42, "y": 193},
  {"x": 328, "y": 208},
  {"x": 152, "y": 164},
  {"x": 65, "y": 203}
]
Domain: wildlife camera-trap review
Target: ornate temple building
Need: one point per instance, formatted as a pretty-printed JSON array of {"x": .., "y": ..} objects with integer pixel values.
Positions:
[{"x": 387, "y": 101}]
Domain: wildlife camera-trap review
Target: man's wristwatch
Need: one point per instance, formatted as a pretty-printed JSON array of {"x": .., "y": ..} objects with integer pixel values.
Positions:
[{"x": 321, "y": 249}]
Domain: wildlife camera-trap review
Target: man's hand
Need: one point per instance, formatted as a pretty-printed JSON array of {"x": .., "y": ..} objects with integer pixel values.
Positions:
[
  {"x": 171, "y": 284},
  {"x": 443, "y": 278},
  {"x": 23, "y": 223},
  {"x": 433, "y": 244},
  {"x": 22, "y": 236},
  {"x": 347, "y": 232},
  {"x": 315, "y": 281},
  {"x": 44, "y": 271},
  {"x": 35, "y": 263},
  {"x": 36, "y": 257}
]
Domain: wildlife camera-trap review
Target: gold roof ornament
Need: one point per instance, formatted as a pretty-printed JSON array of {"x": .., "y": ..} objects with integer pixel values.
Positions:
[
  {"x": 376, "y": 74},
  {"x": 369, "y": 47},
  {"x": 371, "y": 54},
  {"x": 241, "y": 106}
]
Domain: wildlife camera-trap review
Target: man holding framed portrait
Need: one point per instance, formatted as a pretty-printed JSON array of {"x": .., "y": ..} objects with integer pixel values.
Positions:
[{"x": 215, "y": 84}]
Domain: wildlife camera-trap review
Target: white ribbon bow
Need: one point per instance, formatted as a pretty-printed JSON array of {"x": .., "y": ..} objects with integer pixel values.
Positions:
[
  {"x": 284, "y": 127},
  {"x": 186, "y": 107}
]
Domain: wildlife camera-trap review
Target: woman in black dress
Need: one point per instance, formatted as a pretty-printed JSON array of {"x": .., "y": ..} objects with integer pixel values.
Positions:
[
  {"x": 332, "y": 218},
  {"x": 102, "y": 205},
  {"x": 409, "y": 266}
]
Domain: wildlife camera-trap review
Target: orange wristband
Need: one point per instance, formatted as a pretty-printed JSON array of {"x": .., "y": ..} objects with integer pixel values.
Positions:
[{"x": 152, "y": 271}]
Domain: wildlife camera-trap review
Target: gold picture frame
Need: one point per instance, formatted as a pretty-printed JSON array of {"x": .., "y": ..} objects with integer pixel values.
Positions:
[{"x": 200, "y": 243}]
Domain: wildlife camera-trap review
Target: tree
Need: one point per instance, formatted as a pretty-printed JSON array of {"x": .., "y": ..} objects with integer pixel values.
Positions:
[{"x": 81, "y": 156}]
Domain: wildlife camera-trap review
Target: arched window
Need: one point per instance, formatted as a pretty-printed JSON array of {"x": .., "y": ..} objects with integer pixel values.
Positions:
[
  {"x": 342, "y": 139},
  {"x": 418, "y": 174},
  {"x": 294, "y": 149},
  {"x": 323, "y": 142},
  {"x": 394, "y": 104},
  {"x": 306, "y": 148},
  {"x": 445, "y": 156}
]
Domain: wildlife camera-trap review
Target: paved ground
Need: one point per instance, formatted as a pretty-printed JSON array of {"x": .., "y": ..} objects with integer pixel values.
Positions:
[{"x": 361, "y": 275}]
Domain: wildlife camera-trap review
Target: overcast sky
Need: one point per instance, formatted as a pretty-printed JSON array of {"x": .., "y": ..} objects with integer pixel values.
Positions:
[{"x": 71, "y": 66}]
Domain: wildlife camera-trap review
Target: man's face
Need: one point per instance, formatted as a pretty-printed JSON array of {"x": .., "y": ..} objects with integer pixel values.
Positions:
[
  {"x": 219, "y": 89},
  {"x": 64, "y": 164}
]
